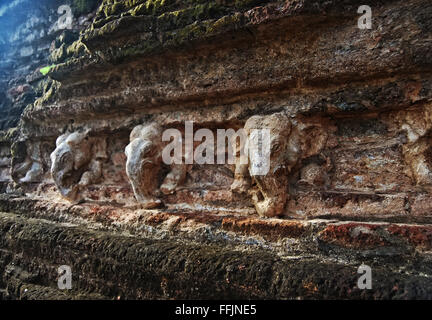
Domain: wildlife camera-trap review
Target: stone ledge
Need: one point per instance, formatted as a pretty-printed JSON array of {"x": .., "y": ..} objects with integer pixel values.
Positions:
[
  {"x": 121, "y": 266},
  {"x": 232, "y": 228}
]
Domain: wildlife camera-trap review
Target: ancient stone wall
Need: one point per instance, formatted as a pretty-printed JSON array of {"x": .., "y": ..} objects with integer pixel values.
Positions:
[{"x": 349, "y": 112}]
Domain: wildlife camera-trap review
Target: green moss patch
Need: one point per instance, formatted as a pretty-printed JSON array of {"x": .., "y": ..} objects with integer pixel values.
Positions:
[
  {"x": 81, "y": 7},
  {"x": 46, "y": 70}
]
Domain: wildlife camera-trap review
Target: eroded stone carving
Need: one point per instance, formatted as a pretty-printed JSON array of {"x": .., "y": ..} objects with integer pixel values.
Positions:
[
  {"x": 31, "y": 169},
  {"x": 418, "y": 148},
  {"x": 291, "y": 139},
  {"x": 77, "y": 162},
  {"x": 144, "y": 164}
]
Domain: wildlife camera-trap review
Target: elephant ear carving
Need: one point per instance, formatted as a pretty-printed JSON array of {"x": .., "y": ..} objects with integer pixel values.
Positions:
[
  {"x": 75, "y": 164},
  {"x": 291, "y": 140},
  {"x": 144, "y": 164}
]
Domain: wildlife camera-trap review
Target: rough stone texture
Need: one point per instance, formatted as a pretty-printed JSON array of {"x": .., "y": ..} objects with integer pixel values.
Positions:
[
  {"x": 291, "y": 141},
  {"x": 144, "y": 162},
  {"x": 351, "y": 168},
  {"x": 76, "y": 163}
]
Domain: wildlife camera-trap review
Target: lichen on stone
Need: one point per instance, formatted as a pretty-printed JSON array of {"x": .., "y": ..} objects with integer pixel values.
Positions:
[
  {"x": 49, "y": 90},
  {"x": 81, "y": 7},
  {"x": 46, "y": 70},
  {"x": 8, "y": 135}
]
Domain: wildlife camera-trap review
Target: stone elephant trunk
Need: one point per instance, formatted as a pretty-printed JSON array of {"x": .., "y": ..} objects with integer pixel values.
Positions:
[
  {"x": 77, "y": 162},
  {"x": 144, "y": 163},
  {"x": 291, "y": 140}
]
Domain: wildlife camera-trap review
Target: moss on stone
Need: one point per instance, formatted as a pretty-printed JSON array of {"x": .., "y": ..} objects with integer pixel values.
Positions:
[
  {"x": 176, "y": 31},
  {"x": 114, "y": 9},
  {"x": 226, "y": 22},
  {"x": 76, "y": 49},
  {"x": 183, "y": 17},
  {"x": 154, "y": 7},
  {"x": 135, "y": 267},
  {"x": 6, "y": 136},
  {"x": 65, "y": 52},
  {"x": 46, "y": 70},
  {"x": 158, "y": 24},
  {"x": 58, "y": 55},
  {"x": 50, "y": 88},
  {"x": 81, "y": 7}
]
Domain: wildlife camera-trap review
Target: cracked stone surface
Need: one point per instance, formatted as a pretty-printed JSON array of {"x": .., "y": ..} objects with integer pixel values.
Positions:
[{"x": 83, "y": 183}]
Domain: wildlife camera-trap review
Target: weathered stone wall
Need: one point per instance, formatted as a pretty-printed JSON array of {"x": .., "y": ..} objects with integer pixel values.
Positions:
[
  {"x": 349, "y": 112},
  {"x": 27, "y": 30}
]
